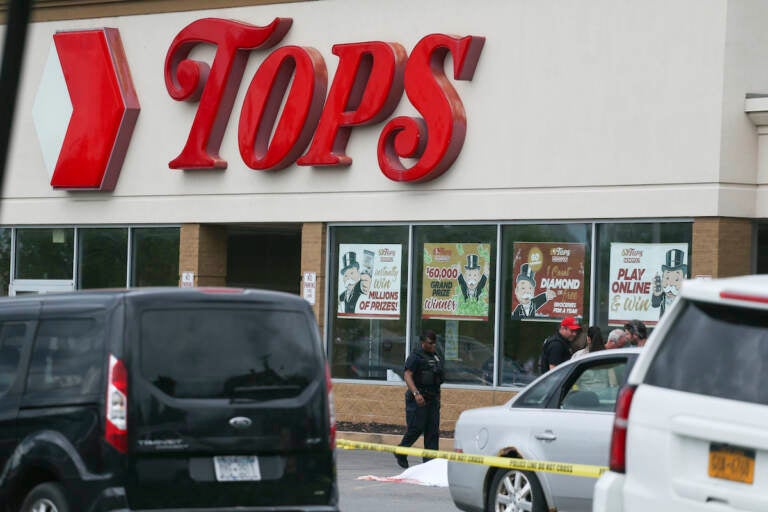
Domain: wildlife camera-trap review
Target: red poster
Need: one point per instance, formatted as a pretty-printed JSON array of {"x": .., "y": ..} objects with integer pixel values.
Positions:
[{"x": 548, "y": 280}]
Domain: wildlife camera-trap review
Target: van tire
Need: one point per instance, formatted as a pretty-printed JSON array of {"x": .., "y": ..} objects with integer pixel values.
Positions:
[
  {"x": 47, "y": 497},
  {"x": 499, "y": 498}
]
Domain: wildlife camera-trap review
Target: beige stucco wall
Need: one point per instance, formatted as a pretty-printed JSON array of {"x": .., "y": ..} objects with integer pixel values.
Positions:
[{"x": 582, "y": 110}]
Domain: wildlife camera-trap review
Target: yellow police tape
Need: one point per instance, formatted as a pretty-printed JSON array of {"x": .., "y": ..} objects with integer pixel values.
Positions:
[{"x": 563, "y": 468}]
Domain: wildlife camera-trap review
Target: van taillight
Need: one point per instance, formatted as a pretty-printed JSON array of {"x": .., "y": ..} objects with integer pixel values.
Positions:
[
  {"x": 618, "y": 460},
  {"x": 331, "y": 411},
  {"x": 117, "y": 405}
]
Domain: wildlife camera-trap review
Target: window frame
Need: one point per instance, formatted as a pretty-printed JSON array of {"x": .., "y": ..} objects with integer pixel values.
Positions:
[{"x": 592, "y": 260}]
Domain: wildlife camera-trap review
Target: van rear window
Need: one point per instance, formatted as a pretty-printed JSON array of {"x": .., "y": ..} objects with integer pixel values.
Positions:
[
  {"x": 68, "y": 358},
  {"x": 715, "y": 350},
  {"x": 250, "y": 354}
]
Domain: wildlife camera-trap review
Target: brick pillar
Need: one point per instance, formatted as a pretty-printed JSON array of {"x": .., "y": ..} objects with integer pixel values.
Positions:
[
  {"x": 722, "y": 247},
  {"x": 204, "y": 251},
  {"x": 313, "y": 260}
]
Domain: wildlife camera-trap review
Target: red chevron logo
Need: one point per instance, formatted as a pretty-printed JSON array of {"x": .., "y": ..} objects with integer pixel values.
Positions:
[{"x": 85, "y": 109}]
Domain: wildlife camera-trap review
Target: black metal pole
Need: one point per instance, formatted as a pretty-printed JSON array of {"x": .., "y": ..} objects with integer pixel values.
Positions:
[{"x": 13, "y": 53}]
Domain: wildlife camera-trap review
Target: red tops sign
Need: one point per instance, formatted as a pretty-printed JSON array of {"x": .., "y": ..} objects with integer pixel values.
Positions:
[
  {"x": 86, "y": 144},
  {"x": 366, "y": 89}
]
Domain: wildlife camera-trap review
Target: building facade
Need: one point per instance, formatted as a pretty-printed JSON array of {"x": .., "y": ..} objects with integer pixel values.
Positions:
[{"x": 482, "y": 169}]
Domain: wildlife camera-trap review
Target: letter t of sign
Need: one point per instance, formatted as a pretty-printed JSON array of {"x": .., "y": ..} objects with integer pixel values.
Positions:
[{"x": 217, "y": 86}]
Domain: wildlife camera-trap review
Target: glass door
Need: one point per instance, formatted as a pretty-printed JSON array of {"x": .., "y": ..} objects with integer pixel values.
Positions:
[
  {"x": 43, "y": 261},
  {"x": 27, "y": 286}
]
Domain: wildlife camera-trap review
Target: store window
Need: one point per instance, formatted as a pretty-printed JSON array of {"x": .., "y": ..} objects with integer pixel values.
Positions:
[
  {"x": 454, "y": 286},
  {"x": 546, "y": 272},
  {"x": 155, "y": 257},
  {"x": 44, "y": 253},
  {"x": 102, "y": 257},
  {"x": 545, "y": 277},
  {"x": 639, "y": 269},
  {"x": 368, "y": 301},
  {"x": 5, "y": 260}
]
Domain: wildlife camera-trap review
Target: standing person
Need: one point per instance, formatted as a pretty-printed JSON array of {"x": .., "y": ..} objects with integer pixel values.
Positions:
[
  {"x": 595, "y": 378},
  {"x": 594, "y": 342},
  {"x": 617, "y": 338},
  {"x": 557, "y": 348},
  {"x": 636, "y": 332},
  {"x": 642, "y": 335},
  {"x": 423, "y": 375}
]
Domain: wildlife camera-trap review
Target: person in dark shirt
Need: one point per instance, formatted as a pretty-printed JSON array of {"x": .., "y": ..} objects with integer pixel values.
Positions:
[
  {"x": 423, "y": 375},
  {"x": 557, "y": 348}
]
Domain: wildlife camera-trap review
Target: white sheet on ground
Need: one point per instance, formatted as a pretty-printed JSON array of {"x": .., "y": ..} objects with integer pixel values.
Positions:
[{"x": 433, "y": 473}]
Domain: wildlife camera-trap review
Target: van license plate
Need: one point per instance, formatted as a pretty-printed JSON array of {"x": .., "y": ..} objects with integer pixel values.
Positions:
[
  {"x": 731, "y": 463},
  {"x": 237, "y": 468}
]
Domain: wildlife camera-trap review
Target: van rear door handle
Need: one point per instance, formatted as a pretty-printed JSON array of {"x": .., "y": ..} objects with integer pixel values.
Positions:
[{"x": 547, "y": 435}]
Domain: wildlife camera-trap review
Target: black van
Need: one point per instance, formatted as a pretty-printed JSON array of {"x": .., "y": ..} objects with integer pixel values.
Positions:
[{"x": 164, "y": 399}]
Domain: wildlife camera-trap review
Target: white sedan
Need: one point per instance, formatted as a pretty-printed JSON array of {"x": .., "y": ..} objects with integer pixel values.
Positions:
[{"x": 566, "y": 415}]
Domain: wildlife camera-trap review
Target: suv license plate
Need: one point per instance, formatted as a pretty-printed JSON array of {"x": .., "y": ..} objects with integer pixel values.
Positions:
[
  {"x": 237, "y": 468},
  {"x": 731, "y": 463}
]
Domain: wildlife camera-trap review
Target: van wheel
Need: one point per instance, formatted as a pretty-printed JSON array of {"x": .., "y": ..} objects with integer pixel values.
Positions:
[
  {"x": 47, "y": 497},
  {"x": 515, "y": 491}
]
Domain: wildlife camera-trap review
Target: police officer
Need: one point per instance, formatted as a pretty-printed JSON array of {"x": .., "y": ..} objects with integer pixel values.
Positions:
[{"x": 423, "y": 375}]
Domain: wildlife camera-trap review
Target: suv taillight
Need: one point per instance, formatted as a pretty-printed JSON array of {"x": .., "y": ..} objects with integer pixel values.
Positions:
[
  {"x": 618, "y": 460},
  {"x": 331, "y": 412},
  {"x": 117, "y": 405},
  {"x": 743, "y": 296}
]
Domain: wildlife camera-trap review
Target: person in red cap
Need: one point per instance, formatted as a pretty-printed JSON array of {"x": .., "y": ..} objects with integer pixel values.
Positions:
[{"x": 557, "y": 348}]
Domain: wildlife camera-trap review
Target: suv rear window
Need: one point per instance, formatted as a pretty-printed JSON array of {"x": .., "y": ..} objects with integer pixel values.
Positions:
[
  {"x": 228, "y": 353},
  {"x": 714, "y": 350}
]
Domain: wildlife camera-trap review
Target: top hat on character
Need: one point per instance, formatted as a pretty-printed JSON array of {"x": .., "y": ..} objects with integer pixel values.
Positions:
[
  {"x": 348, "y": 261},
  {"x": 473, "y": 262},
  {"x": 675, "y": 261},
  {"x": 527, "y": 273}
]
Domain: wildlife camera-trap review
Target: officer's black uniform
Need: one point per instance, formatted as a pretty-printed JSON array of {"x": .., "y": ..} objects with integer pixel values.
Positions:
[{"x": 427, "y": 371}]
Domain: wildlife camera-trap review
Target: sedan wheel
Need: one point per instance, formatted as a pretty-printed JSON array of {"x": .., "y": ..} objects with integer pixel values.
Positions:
[
  {"x": 515, "y": 491},
  {"x": 48, "y": 497}
]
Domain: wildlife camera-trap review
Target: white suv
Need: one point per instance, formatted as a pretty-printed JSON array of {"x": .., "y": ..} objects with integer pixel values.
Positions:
[{"x": 691, "y": 425}]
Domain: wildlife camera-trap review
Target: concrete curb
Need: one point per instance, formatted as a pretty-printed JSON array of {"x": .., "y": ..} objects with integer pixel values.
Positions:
[{"x": 446, "y": 443}]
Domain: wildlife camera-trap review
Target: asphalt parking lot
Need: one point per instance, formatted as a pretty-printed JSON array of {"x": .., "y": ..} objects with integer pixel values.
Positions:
[{"x": 366, "y": 495}]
